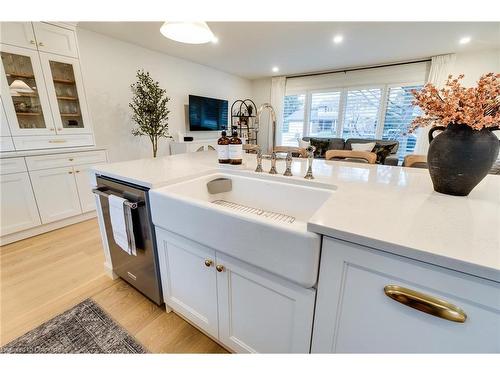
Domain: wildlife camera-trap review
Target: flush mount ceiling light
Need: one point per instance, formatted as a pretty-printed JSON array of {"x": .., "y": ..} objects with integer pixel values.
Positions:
[
  {"x": 188, "y": 32},
  {"x": 338, "y": 39},
  {"x": 20, "y": 86},
  {"x": 464, "y": 40},
  {"x": 275, "y": 69}
]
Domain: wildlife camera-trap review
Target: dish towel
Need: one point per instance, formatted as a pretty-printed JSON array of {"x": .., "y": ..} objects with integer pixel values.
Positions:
[{"x": 121, "y": 224}]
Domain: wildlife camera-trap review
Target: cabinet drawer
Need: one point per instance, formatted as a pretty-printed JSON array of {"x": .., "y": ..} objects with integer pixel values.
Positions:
[
  {"x": 65, "y": 160},
  {"x": 47, "y": 141},
  {"x": 12, "y": 165},
  {"x": 353, "y": 314}
]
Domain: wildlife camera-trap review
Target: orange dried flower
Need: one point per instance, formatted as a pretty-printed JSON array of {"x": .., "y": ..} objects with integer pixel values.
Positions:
[{"x": 477, "y": 107}]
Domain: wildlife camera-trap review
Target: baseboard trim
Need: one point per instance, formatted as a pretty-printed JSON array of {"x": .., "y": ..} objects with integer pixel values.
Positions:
[{"x": 44, "y": 228}]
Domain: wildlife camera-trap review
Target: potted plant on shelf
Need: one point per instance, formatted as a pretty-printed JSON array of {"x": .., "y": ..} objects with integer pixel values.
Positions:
[
  {"x": 149, "y": 107},
  {"x": 461, "y": 156}
]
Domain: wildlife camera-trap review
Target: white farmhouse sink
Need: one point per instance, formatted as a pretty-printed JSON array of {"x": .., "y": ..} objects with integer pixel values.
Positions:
[{"x": 262, "y": 220}]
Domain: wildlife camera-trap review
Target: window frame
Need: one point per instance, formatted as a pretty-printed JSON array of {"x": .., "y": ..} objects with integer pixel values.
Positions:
[{"x": 382, "y": 109}]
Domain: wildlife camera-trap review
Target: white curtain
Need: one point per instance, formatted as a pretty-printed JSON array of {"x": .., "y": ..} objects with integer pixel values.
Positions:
[
  {"x": 278, "y": 87},
  {"x": 441, "y": 67}
]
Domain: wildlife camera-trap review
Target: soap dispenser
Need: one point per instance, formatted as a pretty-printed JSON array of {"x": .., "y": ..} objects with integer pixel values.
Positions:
[
  {"x": 235, "y": 149},
  {"x": 223, "y": 148}
]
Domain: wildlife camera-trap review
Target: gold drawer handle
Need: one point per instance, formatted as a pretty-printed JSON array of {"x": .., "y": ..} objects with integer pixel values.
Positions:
[
  {"x": 219, "y": 268},
  {"x": 57, "y": 141},
  {"x": 425, "y": 303},
  {"x": 209, "y": 262}
]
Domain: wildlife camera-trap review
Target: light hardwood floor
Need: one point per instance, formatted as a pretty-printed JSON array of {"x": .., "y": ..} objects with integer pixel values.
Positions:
[{"x": 45, "y": 275}]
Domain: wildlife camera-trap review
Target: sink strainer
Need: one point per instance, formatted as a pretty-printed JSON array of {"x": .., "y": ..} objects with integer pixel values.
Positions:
[{"x": 256, "y": 211}]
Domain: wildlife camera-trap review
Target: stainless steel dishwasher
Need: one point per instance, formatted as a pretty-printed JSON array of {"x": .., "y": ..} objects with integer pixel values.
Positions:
[{"x": 141, "y": 270}]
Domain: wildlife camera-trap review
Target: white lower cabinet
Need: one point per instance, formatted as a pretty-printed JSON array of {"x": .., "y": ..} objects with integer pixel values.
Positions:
[
  {"x": 83, "y": 185},
  {"x": 245, "y": 308},
  {"x": 188, "y": 280},
  {"x": 18, "y": 206},
  {"x": 262, "y": 313},
  {"x": 354, "y": 314},
  {"x": 56, "y": 193}
]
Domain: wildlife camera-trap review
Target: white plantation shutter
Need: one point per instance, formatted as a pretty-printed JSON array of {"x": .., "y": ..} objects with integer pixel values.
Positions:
[
  {"x": 361, "y": 113},
  {"x": 293, "y": 119},
  {"x": 399, "y": 114},
  {"x": 324, "y": 114}
]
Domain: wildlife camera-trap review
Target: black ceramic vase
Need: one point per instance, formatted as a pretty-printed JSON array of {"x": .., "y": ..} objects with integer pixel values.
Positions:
[{"x": 460, "y": 157}]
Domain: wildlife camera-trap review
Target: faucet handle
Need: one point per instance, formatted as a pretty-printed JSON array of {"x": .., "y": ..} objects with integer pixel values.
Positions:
[
  {"x": 273, "y": 163},
  {"x": 259, "y": 160},
  {"x": 310, "y": 157},
  {"x": 288, "y": 159}
]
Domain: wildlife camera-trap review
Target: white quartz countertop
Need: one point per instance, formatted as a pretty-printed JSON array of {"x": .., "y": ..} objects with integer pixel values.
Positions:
[{"x": 393, "y": 209}]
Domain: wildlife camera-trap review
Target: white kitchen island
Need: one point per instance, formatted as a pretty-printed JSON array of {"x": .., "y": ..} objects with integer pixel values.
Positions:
[{"x": 382, "y": 227}]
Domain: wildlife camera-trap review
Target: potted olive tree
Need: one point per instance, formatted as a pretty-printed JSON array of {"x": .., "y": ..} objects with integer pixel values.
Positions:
[{"x": 149, "y": 107}]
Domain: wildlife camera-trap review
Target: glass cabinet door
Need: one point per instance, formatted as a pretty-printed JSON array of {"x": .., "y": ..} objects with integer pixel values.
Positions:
[
  {"x": 65, "y": 91},
  {"x": 28, "y": 110}
]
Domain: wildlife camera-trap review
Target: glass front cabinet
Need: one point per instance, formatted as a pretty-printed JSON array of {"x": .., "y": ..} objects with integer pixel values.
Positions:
[{"x": 42, "y": 93}]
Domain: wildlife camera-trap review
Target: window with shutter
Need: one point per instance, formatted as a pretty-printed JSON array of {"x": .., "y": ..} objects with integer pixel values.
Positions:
[
  {"x": 324, "y": 114},
  {"x": 293, "y": 120},
  {"x": 399, "y": 114},
  {"x": 361, "y": 113}
]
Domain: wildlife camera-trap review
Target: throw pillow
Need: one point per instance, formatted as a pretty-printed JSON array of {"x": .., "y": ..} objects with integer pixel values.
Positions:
[
  {"x": 363, "y": 146},
  {"x": 304, "y": 144},
  {"x": 383, "y": 151},
  {"x": 321, "y": 145}
]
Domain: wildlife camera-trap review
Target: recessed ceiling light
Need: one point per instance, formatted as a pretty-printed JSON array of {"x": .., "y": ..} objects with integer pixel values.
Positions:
[
  {"x": 215, "y": 40},
  {"x": 464, "y": 40},
  {"x": 338, "y": 39},
  {"x": 275, "y": 69},
  {"x": 187, "y": 32}
]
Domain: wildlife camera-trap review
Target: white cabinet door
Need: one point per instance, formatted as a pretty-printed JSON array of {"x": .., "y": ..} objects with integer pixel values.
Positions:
[
  {"x": 18, "y": 34},
  {"x": 354, "y": 315},
  {"x": 188, "y": 279},
  {"x": 55, "y": 39},
  {"x": 18, "y": 206},
  {"x": 82, "y": 177},
  {"x": 66, "y": 94},
  {"x": 259, "y": 312},
  {"x": 23, "y": 92},
  {"x": 56, "y": 193}
]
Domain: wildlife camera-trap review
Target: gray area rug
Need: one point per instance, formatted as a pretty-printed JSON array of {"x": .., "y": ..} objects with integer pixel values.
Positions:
[{"x": 85, "y": 328}]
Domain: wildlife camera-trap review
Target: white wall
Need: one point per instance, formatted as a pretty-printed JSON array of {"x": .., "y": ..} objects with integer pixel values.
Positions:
[
  {"x": 475, "y": 64},
  {"x": 109, "y": 67},
  {"x": 261, "y": 93}
]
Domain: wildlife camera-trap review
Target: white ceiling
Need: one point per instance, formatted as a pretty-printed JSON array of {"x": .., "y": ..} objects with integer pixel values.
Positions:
[{"x": 251, "y": 49}]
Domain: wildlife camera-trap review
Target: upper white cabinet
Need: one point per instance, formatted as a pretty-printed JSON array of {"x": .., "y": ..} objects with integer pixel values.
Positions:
[
  {"x": 42, "y": 87},
  {"x": 55, "y": 39},
  {"x": 23, "y": 92},
  {"x": 18, "y": 206},
  {"x": 65, "y": 89},
  {"x": 18, "y": 34},
  {"x": 354, "y": 314},
  {"x": 247, "y": 309}
]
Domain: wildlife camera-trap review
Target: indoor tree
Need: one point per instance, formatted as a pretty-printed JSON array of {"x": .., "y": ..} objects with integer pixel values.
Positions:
[{"x": 149, "y": 107}]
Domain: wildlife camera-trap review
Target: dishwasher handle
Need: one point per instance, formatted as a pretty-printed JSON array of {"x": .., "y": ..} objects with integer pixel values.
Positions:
[{"x": 102, "y": 192}]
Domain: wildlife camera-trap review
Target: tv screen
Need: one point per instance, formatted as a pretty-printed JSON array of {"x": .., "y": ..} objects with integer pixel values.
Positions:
[{"x": 207, "y": 114}]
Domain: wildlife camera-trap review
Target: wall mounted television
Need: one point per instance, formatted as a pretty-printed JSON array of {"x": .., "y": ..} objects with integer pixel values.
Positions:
[{"x": 207, "y": 114}]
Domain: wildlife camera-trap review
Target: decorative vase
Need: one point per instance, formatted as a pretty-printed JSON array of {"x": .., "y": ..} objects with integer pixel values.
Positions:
[{"x": 460, "y": 157}]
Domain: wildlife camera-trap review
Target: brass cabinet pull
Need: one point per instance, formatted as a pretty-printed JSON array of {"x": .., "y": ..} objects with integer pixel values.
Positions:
[
  {"x": 425, "y": 303},
  {"x": 70, "y": 159},
  {"x": 77, "y": 171},
  {"x": 70, "y": 172},
  {"x": 208, "y": 262},
  {"x": 41, "y": 44},
  {"x": 219, "y": 268},
  {"x": 32, "y": 41},
  {"x": 57, "y": 141}
]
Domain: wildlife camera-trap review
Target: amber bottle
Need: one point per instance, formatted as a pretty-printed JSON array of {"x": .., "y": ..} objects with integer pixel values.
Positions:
[
  {"x": 223, "y": 148},
  {"x": 235, "y": 149}
]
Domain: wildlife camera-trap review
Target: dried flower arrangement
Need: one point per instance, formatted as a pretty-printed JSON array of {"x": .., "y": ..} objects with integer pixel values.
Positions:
[{"x": 477, "y": 107}]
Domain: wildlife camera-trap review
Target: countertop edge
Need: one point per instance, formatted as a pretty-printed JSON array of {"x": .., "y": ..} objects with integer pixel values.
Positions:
[{"x": 452, "y": 264}]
